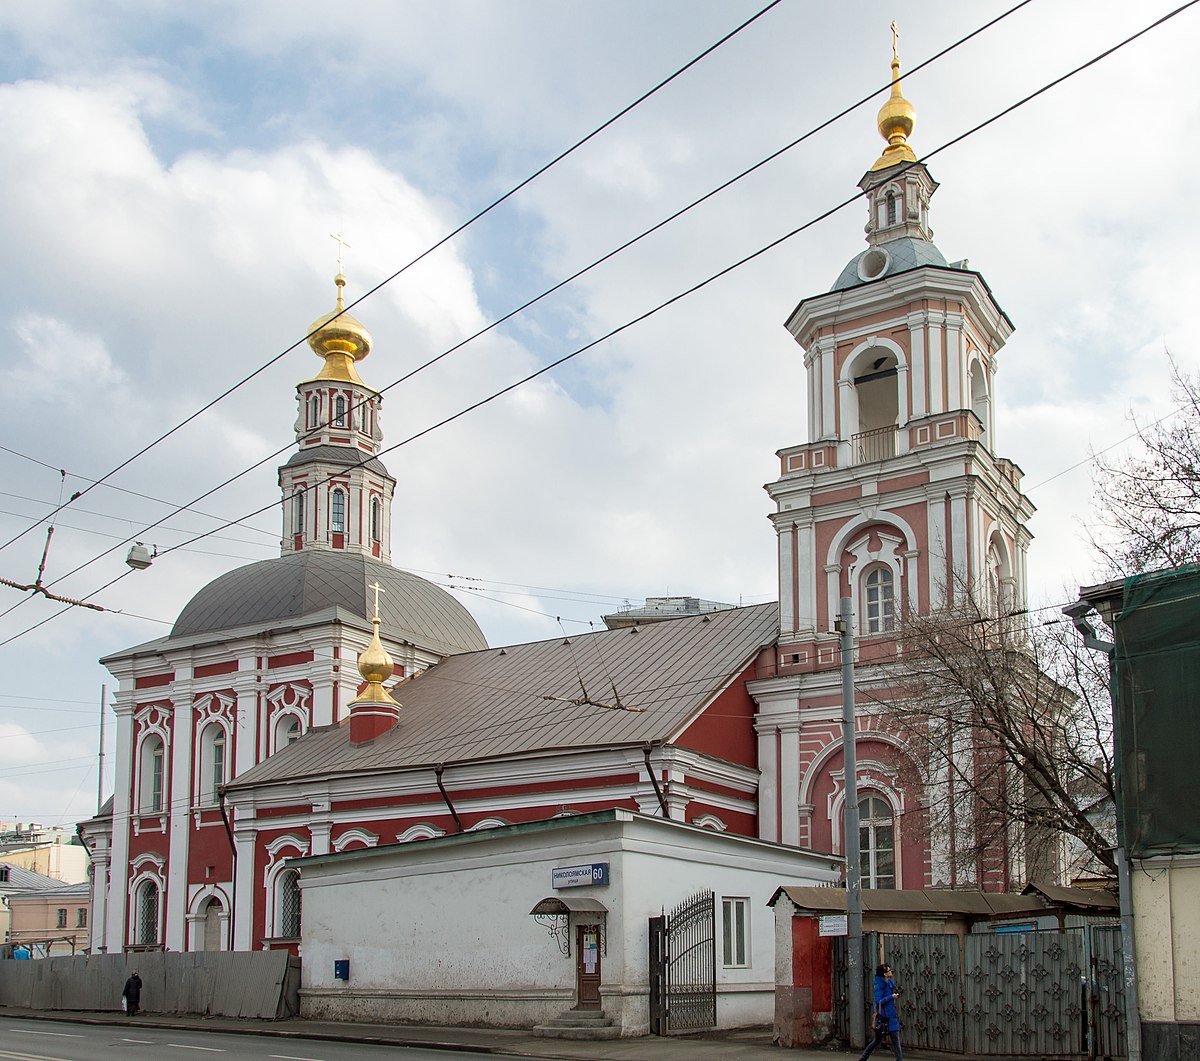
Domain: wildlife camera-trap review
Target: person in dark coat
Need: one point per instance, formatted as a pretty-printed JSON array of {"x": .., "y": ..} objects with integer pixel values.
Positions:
[
  {"x": 887, "y": 1020},
  {"x": 132, "y": 993}
]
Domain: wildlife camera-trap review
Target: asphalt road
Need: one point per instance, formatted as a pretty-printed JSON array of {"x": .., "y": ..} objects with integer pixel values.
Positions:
[{"x": 22, "y": 1040}]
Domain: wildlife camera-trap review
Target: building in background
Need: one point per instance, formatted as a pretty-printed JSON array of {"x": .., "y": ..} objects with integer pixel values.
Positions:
[
  {"x": 51, "y": 851},
  {"x": 48, "y": 921}
]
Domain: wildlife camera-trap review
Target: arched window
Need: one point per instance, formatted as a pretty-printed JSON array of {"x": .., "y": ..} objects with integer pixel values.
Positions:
[
  {"x": 376, "y": 522},
  {"x": 287, "y": 892},
  {"x": 314, "y": 411},
  {"x": 339, "y": 411},
  {"x": 879, "y": 603},
  {"x": 876, "y": 843},
  {"x": 298, "y": 512},
  {"x": 287, "y": 731},
  {"x": 212, "y": 924},
  {"x": 893, "y": 213},
  {"x": 151, "y": 779},
  {"x": 146, "y": 906},
  {"x": 337, "y": 516},
  {"x": 212, "y": 761}
]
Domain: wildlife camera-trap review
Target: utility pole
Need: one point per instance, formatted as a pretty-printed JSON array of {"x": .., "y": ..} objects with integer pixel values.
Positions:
[
  {"x": 100, "y": 770},
  {"x": 854, "y": 940}
]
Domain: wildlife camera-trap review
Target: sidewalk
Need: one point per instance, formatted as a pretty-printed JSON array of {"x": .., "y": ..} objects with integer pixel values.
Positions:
[{"x": 746, "y": 1045}]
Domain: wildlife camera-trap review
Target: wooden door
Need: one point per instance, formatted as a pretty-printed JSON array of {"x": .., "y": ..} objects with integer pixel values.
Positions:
[{"x": 587, "y": 966}]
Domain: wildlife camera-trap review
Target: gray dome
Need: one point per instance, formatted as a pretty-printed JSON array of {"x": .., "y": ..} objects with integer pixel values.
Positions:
[
  {"x": 899, "y": 256},
  {"x": 303, "y": 583}
]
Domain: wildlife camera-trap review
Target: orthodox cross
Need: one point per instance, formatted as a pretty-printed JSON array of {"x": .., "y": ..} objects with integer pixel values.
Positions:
[
  {"x": 378, "y": 590},
  {"x": 343, "y": 245},
  {"x": 895, "y": 42}
]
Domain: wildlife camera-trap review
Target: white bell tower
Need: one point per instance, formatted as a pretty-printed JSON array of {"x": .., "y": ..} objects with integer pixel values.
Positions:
[{"x": 337, "y": 494}]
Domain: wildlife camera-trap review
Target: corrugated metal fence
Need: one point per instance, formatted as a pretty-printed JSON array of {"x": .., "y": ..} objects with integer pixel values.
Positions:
[{"x": 263, "y": 984}]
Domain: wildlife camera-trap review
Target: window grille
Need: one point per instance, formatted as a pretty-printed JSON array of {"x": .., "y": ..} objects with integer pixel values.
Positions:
[
  {"x": 62, "y": 917},
  {"x": 337, "y": 522},
  {"x": 289, "y": 905},
  {"x": 147, "y": 911}
]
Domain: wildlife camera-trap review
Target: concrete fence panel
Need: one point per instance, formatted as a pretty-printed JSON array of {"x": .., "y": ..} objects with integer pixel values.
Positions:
[{"x": 262, "y": 984}]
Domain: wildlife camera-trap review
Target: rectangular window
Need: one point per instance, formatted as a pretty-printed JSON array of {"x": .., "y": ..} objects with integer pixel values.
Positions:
[
  {"x": 156, "y": 780},
  {"x": 735, "y": 933},
  {"x": 81, "y": 917},
  {"x": 62, "y": 917}
]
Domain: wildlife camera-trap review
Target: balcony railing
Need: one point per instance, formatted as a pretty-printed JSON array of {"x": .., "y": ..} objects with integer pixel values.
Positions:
[{"x": 875, "y": 445}]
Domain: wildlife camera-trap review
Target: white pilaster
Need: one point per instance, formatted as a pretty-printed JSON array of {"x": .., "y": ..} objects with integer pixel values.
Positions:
[
  {"x": 123, "y": 785},
  {"x": 787, "y": 574},
  {"x": 789, "y": 782},
  {"x": 768, "y": 786},
  {"x": 917, "y": 357},
  {"x": 245, "y": 889},
  {"x": 179, "y": 815}
]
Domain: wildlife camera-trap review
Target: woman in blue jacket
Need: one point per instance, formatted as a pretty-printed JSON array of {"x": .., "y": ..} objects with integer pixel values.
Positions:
[{"x": 886, "y": 993}]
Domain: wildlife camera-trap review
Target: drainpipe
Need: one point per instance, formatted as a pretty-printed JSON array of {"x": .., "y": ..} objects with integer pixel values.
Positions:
[
  {"x": 446, "y": 796},
  {"x": 662, "y": 803},
  {"x": 1078, "y": 613},
  {"x": 232, "y": 851}
]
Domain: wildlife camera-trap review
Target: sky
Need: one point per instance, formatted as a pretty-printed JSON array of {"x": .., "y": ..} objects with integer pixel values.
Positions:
[{"x": 172, "y": 174}]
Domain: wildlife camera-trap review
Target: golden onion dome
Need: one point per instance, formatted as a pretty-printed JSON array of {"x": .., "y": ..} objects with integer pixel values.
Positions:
[
  {"x": 376, "y": 667},
  {"x": 374, "y": 664},
  {"x": 896, "y": 119},
  {"x": 340, "y": 340}
]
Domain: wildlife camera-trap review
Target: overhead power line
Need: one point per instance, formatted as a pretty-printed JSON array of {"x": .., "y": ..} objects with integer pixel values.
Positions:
[
  {"x": 1099, "y": 57},
  {"x": 404, "y": 268},
  {"x": 574, "y": 276}
]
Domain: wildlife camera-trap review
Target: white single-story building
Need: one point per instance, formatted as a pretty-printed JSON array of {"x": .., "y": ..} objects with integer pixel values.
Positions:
[{"x": 514, "y": 925}]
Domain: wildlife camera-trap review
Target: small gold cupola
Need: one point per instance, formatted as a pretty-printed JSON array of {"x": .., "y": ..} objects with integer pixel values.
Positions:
[
  {"x": 373, "y": 711},
  {"x": 340, "y": 340},
  {"x": 896, "y": 117}
]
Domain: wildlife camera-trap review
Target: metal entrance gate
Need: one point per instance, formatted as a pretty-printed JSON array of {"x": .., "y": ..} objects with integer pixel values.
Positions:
[
  {"x": 683, "y": 967},
  {"x": 928, "y": 970},
  {"x": 1033, "y": 994}
]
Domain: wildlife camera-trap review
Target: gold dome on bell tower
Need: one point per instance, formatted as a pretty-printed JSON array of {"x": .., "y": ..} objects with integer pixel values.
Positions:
[{"x": 896, "y": 117}]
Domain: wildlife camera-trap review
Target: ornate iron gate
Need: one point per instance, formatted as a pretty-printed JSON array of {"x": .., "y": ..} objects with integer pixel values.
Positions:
[
  {"x": 1106, "y": 992},
  {"x": 1023, "y": 993},
  {"x": 1034, "y": 994},
  {"x": 928, "y": 970},
  {"x": 683, "y": 967},
  {"x": 841, "y": 1009}
]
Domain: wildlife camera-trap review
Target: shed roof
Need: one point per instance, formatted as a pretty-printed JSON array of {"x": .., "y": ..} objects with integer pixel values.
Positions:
[
  {"x": 931, "y": 901},
  {"x": 603, "y": 689}
]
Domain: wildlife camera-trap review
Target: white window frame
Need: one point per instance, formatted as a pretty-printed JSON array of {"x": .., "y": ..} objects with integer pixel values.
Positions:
[
  {"x": 735, "y": 931},
  {"x": 869, "y": 850},
  {"x": 336, "y": 525},
  {"x": 879, "y": 615},
  {"x": 152, "y": 774}
]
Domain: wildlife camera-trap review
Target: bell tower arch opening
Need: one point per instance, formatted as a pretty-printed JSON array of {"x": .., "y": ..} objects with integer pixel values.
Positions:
[{"x": 871, "y": 383}]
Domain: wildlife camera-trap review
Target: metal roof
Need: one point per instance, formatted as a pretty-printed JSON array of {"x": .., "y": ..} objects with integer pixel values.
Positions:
[
  {"x": 547, "y": 695},
  {"x": 302, "y": 583},
  {"x": 346, "y": 456},
  {"x": 903, "y": 254},
  {"x": 977, "y": 904},
  {"x": 566, "y": 904},
  {"x": 21, "y": 880}
]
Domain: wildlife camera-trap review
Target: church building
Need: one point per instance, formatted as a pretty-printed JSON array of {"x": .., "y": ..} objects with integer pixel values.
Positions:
[{"x": 324, "y": 701}]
